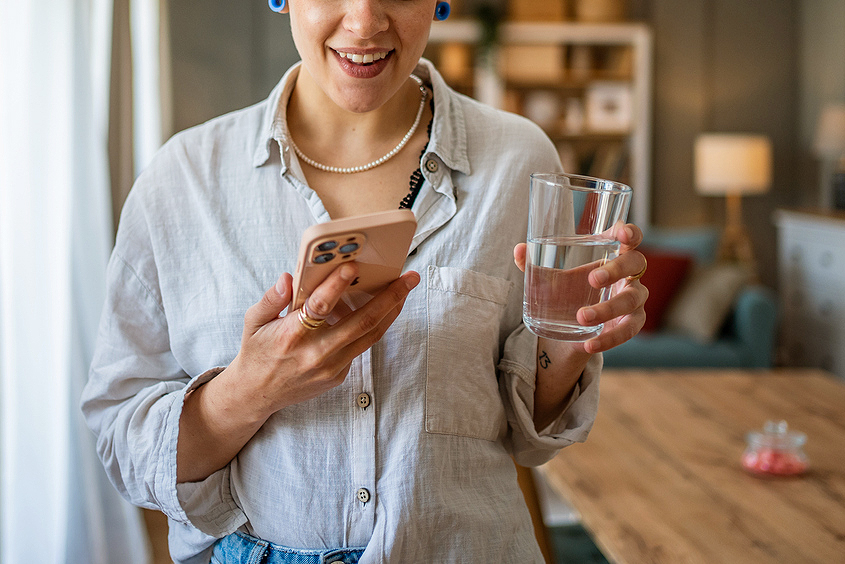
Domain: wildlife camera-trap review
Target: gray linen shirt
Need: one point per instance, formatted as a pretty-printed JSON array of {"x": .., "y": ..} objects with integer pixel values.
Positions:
[{"x": 210, "y": 225}]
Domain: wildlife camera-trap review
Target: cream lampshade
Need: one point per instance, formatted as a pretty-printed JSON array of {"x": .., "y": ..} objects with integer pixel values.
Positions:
[
  {"x": 830, "y": 132},
  {"x": 733, "y": 165}
]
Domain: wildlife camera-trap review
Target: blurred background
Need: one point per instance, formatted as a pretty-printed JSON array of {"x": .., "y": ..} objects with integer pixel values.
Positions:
[
  {"x": 627, "y": 89},
  {"x": 760, "y": 66}
]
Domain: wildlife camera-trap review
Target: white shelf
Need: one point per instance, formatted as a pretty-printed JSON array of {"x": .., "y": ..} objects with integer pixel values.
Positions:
[
  {"x": 812, "y": 285},
  {"x": 490, "y": 88},
  {"x": 563, "y": 32}
]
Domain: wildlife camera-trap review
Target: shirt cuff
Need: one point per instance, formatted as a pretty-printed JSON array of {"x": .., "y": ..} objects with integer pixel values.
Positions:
[
  {"x": 207, "y": 505},
  {"x": 518, "y": 383},
  {"x": 210, "y": 505}
]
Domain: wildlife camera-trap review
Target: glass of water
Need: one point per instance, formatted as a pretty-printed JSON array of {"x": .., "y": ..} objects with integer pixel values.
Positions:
[{"x": 572, "y": 225}]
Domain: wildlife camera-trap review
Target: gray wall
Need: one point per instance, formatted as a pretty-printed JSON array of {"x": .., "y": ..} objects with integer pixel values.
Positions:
[
  {"x": 762, "y": 66},
  {"x": 225, "y": 56},
  {"x": 724, "y": 66},
  {"x": 821, "y": 81}
]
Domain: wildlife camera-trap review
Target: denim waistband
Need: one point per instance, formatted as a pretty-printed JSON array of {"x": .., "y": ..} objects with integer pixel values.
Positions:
[{"x": 241, "y": 548}]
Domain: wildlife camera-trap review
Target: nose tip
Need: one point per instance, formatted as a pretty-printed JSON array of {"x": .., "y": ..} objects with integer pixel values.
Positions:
[{"x": 366, "y": 18}]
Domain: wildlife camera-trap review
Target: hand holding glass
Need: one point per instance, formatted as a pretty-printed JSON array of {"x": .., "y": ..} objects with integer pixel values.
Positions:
[{"x": 572, "y": 226}]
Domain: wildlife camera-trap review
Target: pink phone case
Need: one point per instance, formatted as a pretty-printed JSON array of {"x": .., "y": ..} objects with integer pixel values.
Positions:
[{"x": 377, "y": 242}]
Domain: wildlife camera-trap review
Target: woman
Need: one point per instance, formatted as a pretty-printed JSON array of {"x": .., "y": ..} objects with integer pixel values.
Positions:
[{"x": 388, "y": 435}]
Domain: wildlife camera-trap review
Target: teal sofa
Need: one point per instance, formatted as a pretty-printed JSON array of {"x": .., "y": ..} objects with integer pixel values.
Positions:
[{"x": 746, "y": 339}]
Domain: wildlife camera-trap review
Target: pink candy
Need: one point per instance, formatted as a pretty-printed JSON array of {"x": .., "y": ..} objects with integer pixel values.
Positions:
[
  {"x": 772, "y": 461},
  {"x": 776, "y": 451}
]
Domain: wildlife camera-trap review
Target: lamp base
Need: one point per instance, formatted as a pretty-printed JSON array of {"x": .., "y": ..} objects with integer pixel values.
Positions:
[{"x": 735, "y": 244}]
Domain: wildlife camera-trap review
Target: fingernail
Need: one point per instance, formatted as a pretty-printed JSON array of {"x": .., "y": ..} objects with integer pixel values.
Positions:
[
  {"x": 629, "y": 232},
  {"x": 601, "y": 276},
  {"x": 347, "y": 272},
  {"x": 412, "y": 281},
  {"x": 281, "y": 288},
  {"x": 588, "y": 314}
]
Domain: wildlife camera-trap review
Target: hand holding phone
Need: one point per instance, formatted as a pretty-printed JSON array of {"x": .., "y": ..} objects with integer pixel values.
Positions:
[{"x": 378, "y": 243}]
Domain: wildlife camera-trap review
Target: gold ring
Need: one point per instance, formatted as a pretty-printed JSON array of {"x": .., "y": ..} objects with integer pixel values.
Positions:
[
  {"x": 307, "y": 321},
  {"x": 639, "y": 274}
]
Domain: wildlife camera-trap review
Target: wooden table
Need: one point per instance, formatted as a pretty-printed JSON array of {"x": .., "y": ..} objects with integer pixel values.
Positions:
[{"x": 660, "y": 480}]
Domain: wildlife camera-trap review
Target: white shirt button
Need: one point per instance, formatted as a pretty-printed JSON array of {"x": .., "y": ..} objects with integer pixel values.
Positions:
[
  {"x": 363, "y": 400},
  {"x": 431, "y": 165},
  {"x": 363, "y": 495}
]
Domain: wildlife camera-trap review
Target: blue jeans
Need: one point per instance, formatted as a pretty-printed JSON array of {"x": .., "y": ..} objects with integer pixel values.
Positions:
[{"x": 241, "y": 548}]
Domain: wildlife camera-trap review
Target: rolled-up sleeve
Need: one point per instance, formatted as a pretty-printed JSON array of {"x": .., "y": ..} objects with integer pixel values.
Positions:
[
  {"x": 133, "y": 403},
  {"x": 517, "y": 382},
  {"x": 210, "y": 505}
]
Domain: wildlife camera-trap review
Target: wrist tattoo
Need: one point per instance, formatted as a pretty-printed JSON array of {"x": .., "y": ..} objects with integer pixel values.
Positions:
[{"x": 545, "y": 361}]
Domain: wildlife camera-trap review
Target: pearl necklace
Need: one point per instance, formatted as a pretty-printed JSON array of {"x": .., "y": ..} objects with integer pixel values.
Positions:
[{"x": 377, "y": 162}]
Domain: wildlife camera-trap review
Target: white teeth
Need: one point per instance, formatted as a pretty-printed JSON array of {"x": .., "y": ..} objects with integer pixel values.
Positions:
[{"x": 365, "y": 59}]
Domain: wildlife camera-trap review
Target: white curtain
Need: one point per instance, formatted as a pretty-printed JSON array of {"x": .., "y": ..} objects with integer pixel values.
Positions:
[
  {"x": 151, "y": 72},
  {"x": 56, "y": 505}
]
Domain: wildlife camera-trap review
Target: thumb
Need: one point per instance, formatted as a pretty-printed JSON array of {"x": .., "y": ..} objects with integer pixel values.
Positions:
[
  {"x": 519, "y": 256},
  {"x": 271, "y": 304},
  {"x": 630, "y": 237}
]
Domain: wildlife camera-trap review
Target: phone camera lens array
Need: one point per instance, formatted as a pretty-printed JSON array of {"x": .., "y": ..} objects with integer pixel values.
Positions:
[{"x": 324, "y": 249}]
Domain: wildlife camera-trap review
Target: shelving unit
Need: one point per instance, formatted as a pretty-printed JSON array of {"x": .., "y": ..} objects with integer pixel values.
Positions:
[
  {"x": 588, "y": 85},
  {"x": 811, "y": 264}
]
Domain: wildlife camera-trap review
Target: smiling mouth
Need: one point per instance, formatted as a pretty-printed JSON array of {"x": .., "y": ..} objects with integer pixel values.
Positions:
[{"x": 363, "y": 59}]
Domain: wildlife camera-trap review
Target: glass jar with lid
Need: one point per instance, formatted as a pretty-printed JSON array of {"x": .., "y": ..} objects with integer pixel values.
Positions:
[{"x": 776, "y": 451}]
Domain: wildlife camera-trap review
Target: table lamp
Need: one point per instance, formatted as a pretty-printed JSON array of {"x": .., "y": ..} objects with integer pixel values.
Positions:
[
  {"x": 733, "y": 165},
  {"x": 829, "y": 145}
]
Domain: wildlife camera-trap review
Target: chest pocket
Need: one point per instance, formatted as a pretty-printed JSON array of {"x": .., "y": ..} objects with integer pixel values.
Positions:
[{"x": 464, "y": 310}]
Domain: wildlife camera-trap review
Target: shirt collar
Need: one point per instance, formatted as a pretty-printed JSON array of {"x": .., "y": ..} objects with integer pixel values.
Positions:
[
  {"x": 273, "y": 129},
  {"x": 448, "y": 130}
]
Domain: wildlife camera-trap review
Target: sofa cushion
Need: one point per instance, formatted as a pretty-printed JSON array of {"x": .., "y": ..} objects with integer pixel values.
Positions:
[
  {"x": 666, "y": 271},
  {"x": 703, "y": 303},
  {"x": 699, "y": 242},
  {"x": 665, "y": 350}
]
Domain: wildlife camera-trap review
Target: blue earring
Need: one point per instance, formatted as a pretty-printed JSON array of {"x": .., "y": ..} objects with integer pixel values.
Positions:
[
  {"x": 442, "y": 11},
  {"x": 277, "y": 5}
]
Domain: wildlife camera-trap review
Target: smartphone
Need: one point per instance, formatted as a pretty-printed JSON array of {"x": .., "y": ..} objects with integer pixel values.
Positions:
[{"x": 377, "y": 242}]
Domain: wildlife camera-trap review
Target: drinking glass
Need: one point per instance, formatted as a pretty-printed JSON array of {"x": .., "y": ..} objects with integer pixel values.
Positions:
[{"x": 573, "y": 221}]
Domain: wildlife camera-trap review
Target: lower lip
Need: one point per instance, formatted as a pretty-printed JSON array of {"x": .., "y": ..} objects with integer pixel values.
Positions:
[{"x": 362, "y": 71}]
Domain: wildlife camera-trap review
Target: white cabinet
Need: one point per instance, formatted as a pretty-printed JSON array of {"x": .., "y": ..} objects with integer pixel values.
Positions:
[
  {"x": 588, "y": 85},
  {"x": 811, "y": 255}
]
